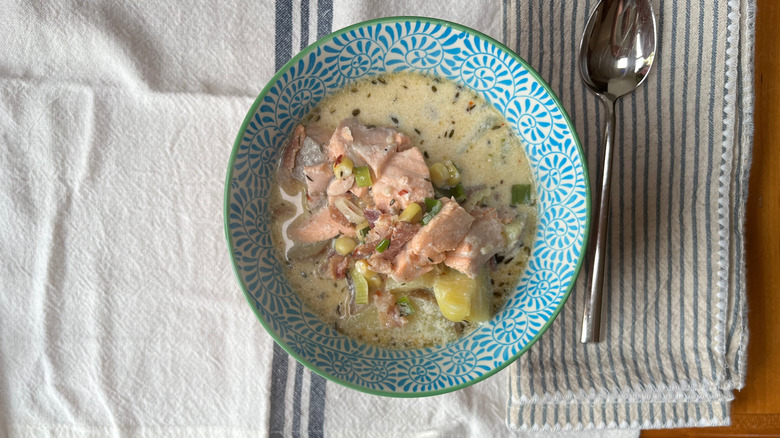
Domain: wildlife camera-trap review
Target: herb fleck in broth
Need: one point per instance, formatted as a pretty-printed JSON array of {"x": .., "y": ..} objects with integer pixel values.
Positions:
[{"x": 446, "y": 122}]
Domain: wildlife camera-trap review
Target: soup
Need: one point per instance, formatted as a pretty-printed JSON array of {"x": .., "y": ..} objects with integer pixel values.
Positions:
[{"x": 404, "y": 208}]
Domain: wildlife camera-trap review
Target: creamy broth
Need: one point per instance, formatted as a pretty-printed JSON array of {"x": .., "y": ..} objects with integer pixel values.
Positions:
[{"x": 447, "y": 122}]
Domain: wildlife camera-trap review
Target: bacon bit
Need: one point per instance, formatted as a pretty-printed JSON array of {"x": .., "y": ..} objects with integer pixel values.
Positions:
[{"x": 403, "y": 192}]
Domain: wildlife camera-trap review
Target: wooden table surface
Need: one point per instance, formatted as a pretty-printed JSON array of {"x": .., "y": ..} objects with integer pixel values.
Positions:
[{"x": 756, "y": 408}]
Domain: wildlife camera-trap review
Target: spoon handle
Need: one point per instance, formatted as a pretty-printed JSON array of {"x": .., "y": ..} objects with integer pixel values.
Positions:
[{"x": 591, "y": 320}]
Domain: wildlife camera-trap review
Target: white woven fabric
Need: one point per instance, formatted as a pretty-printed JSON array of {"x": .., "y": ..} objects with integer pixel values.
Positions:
[{"x": 119, "y": 312}]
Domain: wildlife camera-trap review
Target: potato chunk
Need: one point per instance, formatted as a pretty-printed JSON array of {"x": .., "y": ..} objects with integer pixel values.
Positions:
[{"x": 461, "y": 298}]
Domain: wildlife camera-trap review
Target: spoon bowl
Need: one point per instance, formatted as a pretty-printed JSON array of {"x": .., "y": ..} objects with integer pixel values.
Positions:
[
  {"x": 616, "y": 54},
  {"x": 618, "y": 47}
]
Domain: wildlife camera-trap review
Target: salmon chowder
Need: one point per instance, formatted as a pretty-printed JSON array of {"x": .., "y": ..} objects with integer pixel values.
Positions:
[{"x": 404, "y": 209}]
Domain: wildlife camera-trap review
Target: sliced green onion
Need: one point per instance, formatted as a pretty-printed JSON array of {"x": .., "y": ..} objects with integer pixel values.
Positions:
[
  {"x": 361, "y": 287},
  {"x": 521, "y": 194},
  {"x": 363, "y": 232},
  {"x": 383, "y": 245},
  {"x": 433, "y": 208},
  {"x": 363, "y": 176},
  {"x": 454, "y": 173},
  {"x": 458, "y": 192},
  {"x": 405, "y": 306}
]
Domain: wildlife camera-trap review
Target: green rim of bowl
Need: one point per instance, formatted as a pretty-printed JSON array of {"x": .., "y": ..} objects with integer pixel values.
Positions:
[{"x": 253, "y": 110}]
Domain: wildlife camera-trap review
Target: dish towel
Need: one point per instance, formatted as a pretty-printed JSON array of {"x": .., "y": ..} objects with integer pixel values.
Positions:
[
  {"x": 119, "y": 311},
  {"x": 675, "y": 313}
]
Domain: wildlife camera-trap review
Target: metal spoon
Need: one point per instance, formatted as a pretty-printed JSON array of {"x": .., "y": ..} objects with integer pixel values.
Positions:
[{"x": 616, "y": 53}]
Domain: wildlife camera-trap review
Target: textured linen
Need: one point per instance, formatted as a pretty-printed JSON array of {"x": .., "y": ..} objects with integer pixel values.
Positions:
[
  {"x": 675, "y": 312},
  {"x": 119, "y": 311}
]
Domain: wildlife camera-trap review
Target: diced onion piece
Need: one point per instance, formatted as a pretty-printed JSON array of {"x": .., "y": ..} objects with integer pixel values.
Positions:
[
  {"x": 413, "y": 213},
  {"x": 374, "y": 283},
  {"x": 363, "y": 176},
  {"x": 514, "y": 230},
  {"x": 424, "y": 281},
  {"x": 352, "y": 212},
  {"x": 521, "y": 194},
  {"x": 439, "y": 175},
  {"x": 361, "y": 287},
  {"x": 475, "y": 198},
  {"x": 344, "y": 245},
  {"x": 342, "y": 167},
  {"x": 481, "y": 306},
  {"x": 362, "y": 230}
]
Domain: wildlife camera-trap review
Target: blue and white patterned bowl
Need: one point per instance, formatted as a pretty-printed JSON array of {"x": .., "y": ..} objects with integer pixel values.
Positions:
[{"x": 537, "y": 117}]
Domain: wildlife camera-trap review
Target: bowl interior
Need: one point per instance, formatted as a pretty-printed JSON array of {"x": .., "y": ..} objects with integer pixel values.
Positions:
[{"x": 447, "y": 50}]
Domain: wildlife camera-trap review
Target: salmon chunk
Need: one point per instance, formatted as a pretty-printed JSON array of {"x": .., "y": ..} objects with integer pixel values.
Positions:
[
  {"x": 318, "y": 134},
  {"x": 326, "y": 223},
  {"x": 337, "y": 145},
  {"x": 399, "y": 234},
  {"x": 443, "y": 233},
  {"x": 408, "y": 266},
  {"x": 317, "y": 178},
  {"x": 340, "y": 186},
  {"x": 406, "y": 179},
  {"x": 372, "y": 146},
  {"x": 483, "y": 241},
  {"x": 362, "y": 193}
]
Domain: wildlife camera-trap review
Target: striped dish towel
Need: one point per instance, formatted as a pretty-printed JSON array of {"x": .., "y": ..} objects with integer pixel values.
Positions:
[
  {"x": 120, "y": 315},
  {"x": 676, "y": 330}
]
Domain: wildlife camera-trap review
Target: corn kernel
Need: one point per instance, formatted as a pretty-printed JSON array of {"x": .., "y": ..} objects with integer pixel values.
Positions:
[
  {"x": 364, "y": 269},
  {"x": 344, "y": 245},
  {"x": 343, "y": 166},
  {"x": 412, "y": 213},
  {"x": 439, "y": 175}
]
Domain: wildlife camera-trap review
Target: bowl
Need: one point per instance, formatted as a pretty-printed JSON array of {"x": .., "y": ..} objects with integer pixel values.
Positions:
[{"x": 535, "y": 114}]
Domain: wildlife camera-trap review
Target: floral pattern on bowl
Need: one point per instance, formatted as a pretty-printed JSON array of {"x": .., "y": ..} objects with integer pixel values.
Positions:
[{"x": 536, "y": 116}]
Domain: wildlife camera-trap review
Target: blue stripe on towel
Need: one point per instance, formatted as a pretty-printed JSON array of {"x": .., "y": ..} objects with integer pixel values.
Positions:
[
  {"x": 279, "y": 362},
  {"x": 707, "y": 206},
  {"x": 278, "y": 389},
  {"x": 297, "y": 389},
  {"x": 324, "y": 17},
  {"x": 673, "y": 145}
]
